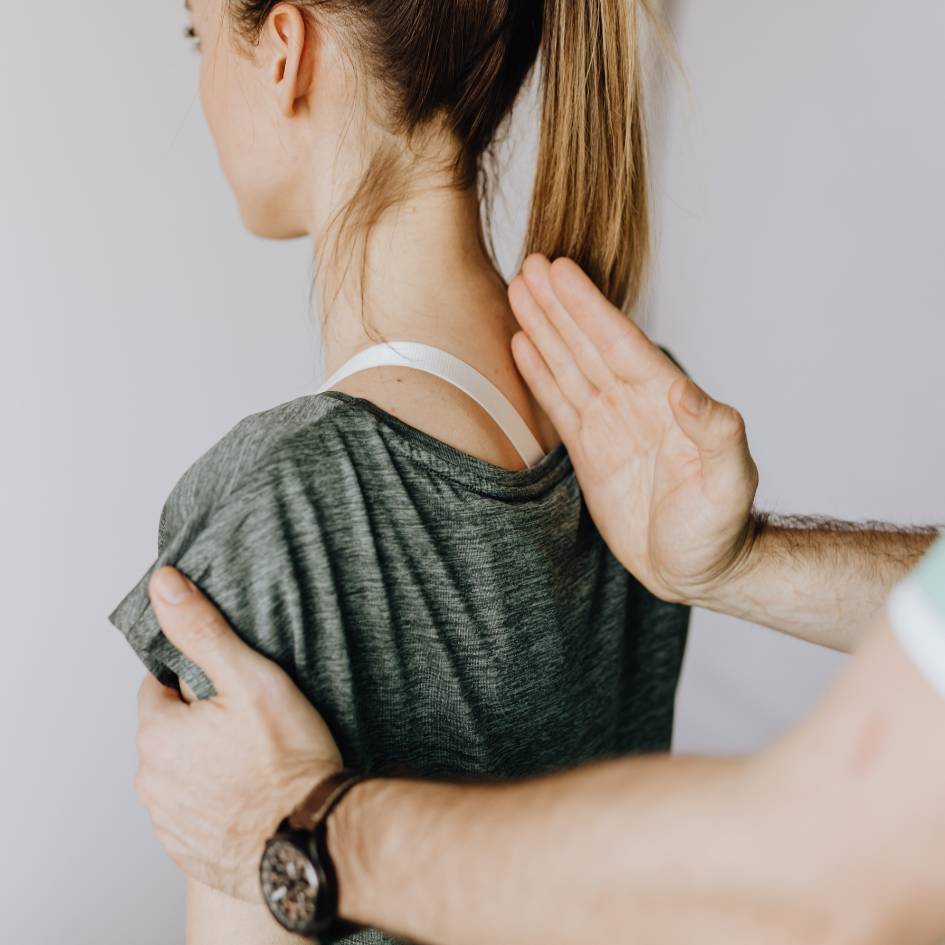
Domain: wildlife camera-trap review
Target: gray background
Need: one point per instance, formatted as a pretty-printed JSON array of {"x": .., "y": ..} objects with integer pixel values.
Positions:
[{"x": 799, "y": 275}]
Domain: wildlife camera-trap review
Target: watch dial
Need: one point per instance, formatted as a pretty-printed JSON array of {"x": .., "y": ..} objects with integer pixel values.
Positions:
[{"x": 290, "y": 885}]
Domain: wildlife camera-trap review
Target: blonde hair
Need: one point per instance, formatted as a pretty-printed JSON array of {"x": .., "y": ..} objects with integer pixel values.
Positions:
[
  {"x": 590, "y": 201},
  {"x": 464, "y": 63}
]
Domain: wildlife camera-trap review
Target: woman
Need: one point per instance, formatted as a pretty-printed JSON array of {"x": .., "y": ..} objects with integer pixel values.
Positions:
[{"x": 410, "y": 543}]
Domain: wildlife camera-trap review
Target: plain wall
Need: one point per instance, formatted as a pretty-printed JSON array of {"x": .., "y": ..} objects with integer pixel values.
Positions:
[{"x": 799, "y": 275}]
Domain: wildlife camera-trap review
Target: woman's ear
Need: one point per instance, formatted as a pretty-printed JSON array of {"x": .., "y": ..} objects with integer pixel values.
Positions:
[{"x": 292, "y": 38}]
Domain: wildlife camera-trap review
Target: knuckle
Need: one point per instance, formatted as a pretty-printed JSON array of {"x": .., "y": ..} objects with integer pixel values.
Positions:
[
  {"x": 206, "y": 625},
  {"x": 736, "y": 423},
  {"x": 613, "y": 394},
  {"x": 263, "y": 688},
  {"x": 621, "y": 347},
  {"x": 255, "y": 693}
]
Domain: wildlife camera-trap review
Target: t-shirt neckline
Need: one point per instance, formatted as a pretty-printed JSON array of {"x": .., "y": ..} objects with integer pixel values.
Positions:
[{"x": 453, "y": 463}]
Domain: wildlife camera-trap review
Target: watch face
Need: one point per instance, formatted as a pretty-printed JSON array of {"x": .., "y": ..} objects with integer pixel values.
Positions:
[{"x": 290, "y": 885}]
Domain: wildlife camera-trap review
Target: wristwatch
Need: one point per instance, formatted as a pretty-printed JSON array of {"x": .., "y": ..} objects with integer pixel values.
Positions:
[{"x": 296, "y": 872}]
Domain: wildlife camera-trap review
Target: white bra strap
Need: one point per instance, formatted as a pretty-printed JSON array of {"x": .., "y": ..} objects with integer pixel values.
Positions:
[{"x": 431, "y": 360}]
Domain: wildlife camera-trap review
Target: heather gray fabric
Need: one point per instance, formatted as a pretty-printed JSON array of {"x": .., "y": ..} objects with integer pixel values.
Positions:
[{"x": 446, "y": 616}]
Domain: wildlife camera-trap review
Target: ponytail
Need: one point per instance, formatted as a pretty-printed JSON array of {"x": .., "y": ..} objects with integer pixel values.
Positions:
[
  {"x": 590, "y": 200},
  {"x": 467, "y": 61}
]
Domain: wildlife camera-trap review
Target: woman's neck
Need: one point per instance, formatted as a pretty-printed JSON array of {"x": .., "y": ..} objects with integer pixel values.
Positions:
[{"x": 427, "y": 279}]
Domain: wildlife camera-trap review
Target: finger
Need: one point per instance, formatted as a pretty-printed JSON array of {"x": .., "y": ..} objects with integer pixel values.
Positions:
[
  {"x": 536, "y": 270},
  {"x": 187, "y": 694},
  {"x": 623, "y": 345},
  {"x": 717, "y": 430},
  {"x": 555, "y": 354},
  {"x": 156, "y": 700},
  {"x": 200, "y": 632},
  {"x": 543, "y": 386}
]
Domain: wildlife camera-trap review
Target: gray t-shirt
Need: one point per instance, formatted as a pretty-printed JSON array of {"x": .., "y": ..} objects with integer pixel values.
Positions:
[{"x": 447, "y": 617}]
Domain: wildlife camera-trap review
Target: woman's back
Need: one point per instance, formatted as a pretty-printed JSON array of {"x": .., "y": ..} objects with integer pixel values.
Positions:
[{"x": 448, "y": 617}]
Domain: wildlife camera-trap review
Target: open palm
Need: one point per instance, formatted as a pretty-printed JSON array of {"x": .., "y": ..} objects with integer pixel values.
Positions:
[{"x": 665, "y": 471}]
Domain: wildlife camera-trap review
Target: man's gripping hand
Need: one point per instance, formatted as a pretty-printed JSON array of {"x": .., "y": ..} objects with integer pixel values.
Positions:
[
  {"x": 665, "y": 469},
  {"x": 218, "y": 775}
]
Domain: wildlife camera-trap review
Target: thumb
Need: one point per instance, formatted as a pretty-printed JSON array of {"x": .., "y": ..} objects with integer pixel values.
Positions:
[
  {"x": 717, "y": 430},
  {"x": 195, "y": 626}
]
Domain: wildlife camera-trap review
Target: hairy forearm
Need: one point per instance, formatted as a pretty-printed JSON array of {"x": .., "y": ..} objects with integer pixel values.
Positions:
[{"x": 818, "y": 579}]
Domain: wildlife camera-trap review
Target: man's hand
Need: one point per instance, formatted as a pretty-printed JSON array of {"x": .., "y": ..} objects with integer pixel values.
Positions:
[
  {"x": 665, "y": 470},
  {"x": 217, "y": 776}
]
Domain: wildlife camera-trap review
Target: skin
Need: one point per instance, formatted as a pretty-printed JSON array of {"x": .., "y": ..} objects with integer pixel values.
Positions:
[
  {"x": 294, "y": 137},
  {"x": 670, "y": 481},
  {"x": 798, "y": 844},
  {"x": 831, "y": 836}
]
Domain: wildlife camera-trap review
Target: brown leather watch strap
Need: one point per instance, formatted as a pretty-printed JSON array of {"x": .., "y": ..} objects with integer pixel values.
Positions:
[{"x": 313, "y": 808}]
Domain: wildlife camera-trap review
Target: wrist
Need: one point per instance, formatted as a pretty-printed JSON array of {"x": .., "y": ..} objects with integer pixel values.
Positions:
[
  {"x": 297, "y": 788},
  {"x": 386, "y": 839},
  {"x": 724, "y": 591},
  {"x": 296, "y": 872},
  {"x": 349, "y": 828}
]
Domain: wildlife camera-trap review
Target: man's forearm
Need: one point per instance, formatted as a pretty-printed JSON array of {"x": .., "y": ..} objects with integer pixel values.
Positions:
[
  {"x": 652, "y": 850},
  {"x": 593, "y": 854},
  {"x": 818, "y": 579},
  {"x": 656, "y": 850},
  {"x": 832, "y": 836}
]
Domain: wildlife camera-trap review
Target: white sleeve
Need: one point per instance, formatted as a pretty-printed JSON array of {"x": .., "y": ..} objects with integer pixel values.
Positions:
[{"x": 920, "y": 627}]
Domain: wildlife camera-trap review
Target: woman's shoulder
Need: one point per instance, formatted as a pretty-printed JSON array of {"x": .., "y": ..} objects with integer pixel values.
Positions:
[{"x": 258, "y": 450}]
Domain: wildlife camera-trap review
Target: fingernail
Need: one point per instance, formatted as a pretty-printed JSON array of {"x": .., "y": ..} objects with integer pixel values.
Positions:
[
  {"x": 170, "y": 586},
  {"x": 694, "y": 400}
]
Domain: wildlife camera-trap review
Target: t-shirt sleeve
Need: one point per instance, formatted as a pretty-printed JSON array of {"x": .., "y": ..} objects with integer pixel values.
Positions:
[
  {"x": 257, "y": 556},
  {"x": 917, "y": 615}
]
